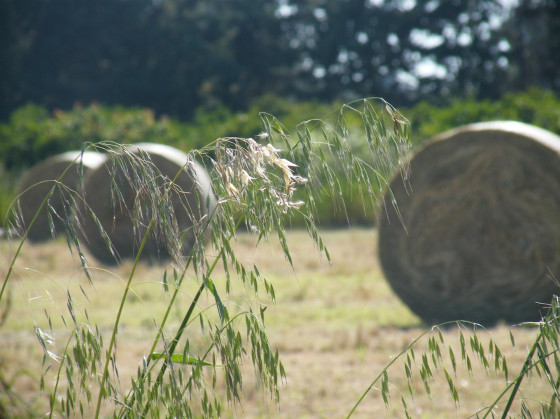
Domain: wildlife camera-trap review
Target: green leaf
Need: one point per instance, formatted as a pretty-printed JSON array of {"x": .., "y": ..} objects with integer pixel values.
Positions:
[
  {"x": 453, "y": 361},
  {"x": 222, "y": 310},
  {"x": 452, "y": 387},
  {"x": 180, "y": 359}
]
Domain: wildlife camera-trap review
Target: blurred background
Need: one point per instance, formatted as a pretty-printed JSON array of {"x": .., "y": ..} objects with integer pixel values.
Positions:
[{"x": 185, "y": 72}]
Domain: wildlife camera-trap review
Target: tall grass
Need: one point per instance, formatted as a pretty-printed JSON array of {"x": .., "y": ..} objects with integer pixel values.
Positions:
[
  {"x": 260, "y": 184},
  {"x": 442, "y": 362}
]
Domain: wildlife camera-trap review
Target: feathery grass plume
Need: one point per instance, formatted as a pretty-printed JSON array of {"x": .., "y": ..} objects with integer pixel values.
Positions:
[
  {"x": 333, "y": 148},
  {"x": 259, "y": 183}
]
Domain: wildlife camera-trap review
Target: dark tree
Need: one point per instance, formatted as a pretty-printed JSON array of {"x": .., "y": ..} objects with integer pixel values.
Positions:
[
  {"x": 63, "y": 51},
  {"x": 534, "y": 35},
  {"x": 170, "y": 55},
  {"x": 176, "y": 56},
  {"x": 402, "y": 50}
]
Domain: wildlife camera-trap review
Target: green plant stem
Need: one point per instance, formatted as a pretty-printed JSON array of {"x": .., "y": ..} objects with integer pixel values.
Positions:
[
  {"x": 524, "y": 370},
  {"x": 160, "y": 330},
  {"x": 400, "y": 354},
  {"x": 22, "y": 241},
  {"x": 187, "y": 316},
  {"x": 527, "y": 365},
  {"x": 58, "y": 181},
  {"x": 173, "y": 344},
  {"x": 118, "y": 318},
  {"x": 185, "y": 319},
  {"x": 191, "y": 308},
  {"x": 53, "y": 395},
  {"x": 35, "y": 216},
  {"x": 213, "y": 344}
]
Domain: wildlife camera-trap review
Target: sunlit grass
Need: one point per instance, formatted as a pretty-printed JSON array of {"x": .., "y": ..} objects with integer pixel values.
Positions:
[
  {"x": 181, "y": 340},
  {"x": 336, "y": 327}
]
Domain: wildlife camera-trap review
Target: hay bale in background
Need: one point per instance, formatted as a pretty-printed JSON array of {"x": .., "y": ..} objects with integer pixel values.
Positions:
[
  {"x": 116, "y": 216},
  {"x": 482, "y": 219},
  {"x": 33, "y": 191}
]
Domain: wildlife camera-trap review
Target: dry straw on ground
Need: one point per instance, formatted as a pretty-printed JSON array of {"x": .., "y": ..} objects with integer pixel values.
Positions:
[
  {"x": 37, "y": 182},
  {"x": 125, "y": 210},
  {"x": 480, "y": 232}
]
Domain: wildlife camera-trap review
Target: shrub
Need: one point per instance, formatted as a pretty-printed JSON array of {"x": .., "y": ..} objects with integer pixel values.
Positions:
[
  {"x": 33, "y": 134},
  {"x": 534, "y": 106}
]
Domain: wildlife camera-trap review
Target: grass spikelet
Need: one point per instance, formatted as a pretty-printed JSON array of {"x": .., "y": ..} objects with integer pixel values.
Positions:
[{"x": 260, "y": 184}]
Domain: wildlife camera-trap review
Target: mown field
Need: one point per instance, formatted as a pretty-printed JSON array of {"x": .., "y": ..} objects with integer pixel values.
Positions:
[{"x": 336, "y": 327}]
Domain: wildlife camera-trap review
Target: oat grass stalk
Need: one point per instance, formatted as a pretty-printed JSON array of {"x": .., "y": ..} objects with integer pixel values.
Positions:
[
  {"x": 260, "y": 183},
  {"x": 546, "y": 350},
  {"x": 170, "y": 351},
  {"x": 440, "y": 360},
  {"x": 426, "y": 364},
  {"x": 103, "y": 390},
  {"x": 13, "y": 219}
]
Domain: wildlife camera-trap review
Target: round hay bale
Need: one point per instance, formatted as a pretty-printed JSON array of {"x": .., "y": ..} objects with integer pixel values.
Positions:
[
  {"x": 37, "y": 182},
  {"x": 124, "y": 217},
  {"x": 478, "y": 235}
]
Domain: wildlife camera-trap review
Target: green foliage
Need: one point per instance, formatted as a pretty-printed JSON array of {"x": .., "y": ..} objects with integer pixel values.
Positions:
[
  {"x": 33, "y": 134},
  {"x": 8, "y": 182},
  {"x": 534, "y": 106},
  {"x": 223, "y": 122},
  {"x": 23, "y": 141},
  {"x": 261, "y": 183},
  {"x": 440, "y": 361},
  {"x": 172, "y": 55}
]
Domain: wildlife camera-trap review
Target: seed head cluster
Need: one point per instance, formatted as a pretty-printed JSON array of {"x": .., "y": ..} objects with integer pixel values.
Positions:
[{"x": 243, "y": 162}]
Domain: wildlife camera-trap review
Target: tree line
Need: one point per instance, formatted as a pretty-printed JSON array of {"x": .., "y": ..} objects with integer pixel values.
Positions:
[{"x": 176, "y": 56}]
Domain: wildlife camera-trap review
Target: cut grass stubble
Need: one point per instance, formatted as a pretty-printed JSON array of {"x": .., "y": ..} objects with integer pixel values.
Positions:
[{"x": 336, "y": 328}]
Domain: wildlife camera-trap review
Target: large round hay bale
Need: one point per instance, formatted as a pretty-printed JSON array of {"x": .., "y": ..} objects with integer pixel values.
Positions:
[
  {"x": 480, "y": 233},
  {"x": 37, "y": 182},
  {"x": 125, "y": 216}
]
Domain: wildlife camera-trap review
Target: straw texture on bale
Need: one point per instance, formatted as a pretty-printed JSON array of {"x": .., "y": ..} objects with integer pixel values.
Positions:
[
  {"x": 37, "y": 182},
  {"x": 124, "y": 219},
  {"x": 476, "y": 235}
]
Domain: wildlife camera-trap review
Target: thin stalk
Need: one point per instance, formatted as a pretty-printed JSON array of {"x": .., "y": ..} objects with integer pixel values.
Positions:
[
  {"x": 53, "y": 395},
  {"x": 26, "y": 233},
  {"x": 527, "y": 365},
  {"x": 187, "y": 317},
  {"x": 524, "y": 370},
  {"x": 172, "y": 348},
  {"x": 401, "y": 353},
  {"x": 168, "y": 311},
  {"x": 118, "y": 318},
  {"x": 213, "y": 343},
  {"x": 176, "y": 292}
]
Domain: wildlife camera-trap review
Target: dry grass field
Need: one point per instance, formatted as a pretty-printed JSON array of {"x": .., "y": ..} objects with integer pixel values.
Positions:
[{"x": 336, "y": 327}]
